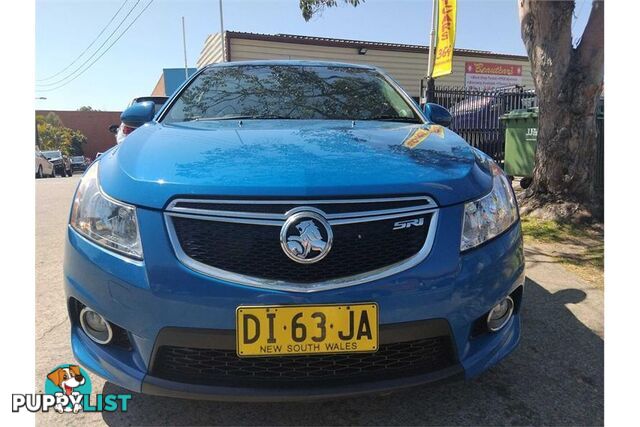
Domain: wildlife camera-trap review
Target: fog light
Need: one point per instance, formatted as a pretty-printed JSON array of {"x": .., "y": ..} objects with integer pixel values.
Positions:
[
  {"x": 95, "y": 326},
  {"x": 500, "y": 314}
]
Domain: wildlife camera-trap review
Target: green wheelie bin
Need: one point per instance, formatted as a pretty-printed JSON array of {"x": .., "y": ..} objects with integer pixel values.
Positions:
[{"x": 521, "y": 139}]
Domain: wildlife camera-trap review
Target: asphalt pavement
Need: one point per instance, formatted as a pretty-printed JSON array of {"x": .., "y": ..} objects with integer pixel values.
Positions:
[{"x": 555, "y": 377}]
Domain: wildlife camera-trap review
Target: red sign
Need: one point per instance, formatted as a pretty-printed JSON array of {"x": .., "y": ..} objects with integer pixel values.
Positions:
[{"x": 488, "y": 75}]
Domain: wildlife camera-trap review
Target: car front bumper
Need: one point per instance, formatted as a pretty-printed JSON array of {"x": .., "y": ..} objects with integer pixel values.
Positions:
[{"x": 147, "y": 298}]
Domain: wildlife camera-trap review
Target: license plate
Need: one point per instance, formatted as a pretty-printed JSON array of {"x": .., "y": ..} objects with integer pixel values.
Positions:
[{"x": 306, "y": 329}]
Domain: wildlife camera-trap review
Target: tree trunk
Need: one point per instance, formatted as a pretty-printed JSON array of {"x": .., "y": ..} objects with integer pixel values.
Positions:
[{"x": 568, "y": 83}]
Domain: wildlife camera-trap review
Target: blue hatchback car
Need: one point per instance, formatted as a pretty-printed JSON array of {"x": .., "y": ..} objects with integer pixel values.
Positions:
[{"x": 291, "y": 230}]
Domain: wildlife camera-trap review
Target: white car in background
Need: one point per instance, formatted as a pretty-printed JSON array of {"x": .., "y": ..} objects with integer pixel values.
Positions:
[
  {"x": 124, "y": 130},
  {"x": 43, "y": 166}
]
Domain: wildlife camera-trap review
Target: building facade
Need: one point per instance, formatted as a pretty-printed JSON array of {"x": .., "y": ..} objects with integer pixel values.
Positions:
[
  {"x": 407, "y": 64},
  {"x": 170, "y": 80}
]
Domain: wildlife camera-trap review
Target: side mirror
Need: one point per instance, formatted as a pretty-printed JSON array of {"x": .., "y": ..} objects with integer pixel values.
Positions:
[
  {"x": 437, "y": 114},
  {"x": 138, "y": 114}
]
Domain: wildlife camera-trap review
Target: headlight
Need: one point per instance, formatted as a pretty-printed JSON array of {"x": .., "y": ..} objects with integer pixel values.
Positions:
[
  {"x": 489, "y": 216},
  {"x": 103, "y": 220}
]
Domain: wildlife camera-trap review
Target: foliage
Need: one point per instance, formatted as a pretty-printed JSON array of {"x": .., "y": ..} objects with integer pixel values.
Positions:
[
  {"x": 87, "y": 108},
  {"x": 51, "y": 118},
  {"x": 54, "y": 136},
  {"x": 312, "y": 7}
]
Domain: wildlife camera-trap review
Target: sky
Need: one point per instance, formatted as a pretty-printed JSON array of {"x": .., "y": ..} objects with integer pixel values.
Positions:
[{"x": 132, "y": 66}]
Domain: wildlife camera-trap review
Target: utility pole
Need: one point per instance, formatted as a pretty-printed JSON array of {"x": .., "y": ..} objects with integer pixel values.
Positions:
[
  {"x": 432, "y": 56},
  {"x": 224, "y": 54},
  {"x": 184, "y": 47}
]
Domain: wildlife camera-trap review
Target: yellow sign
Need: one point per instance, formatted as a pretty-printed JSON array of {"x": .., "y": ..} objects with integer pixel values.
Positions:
[
  {"x": 446, "y": 38},
  {"x": 416, "y": 137},
  {"x": 280, "y": 330}
]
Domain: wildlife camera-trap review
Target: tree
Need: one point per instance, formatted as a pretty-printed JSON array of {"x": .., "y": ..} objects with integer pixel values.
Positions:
[
  {"x": 51, "y": 118},
  {"x": 54, "y": 136},
  {"x": 87, "y": 108},
  {"x": 568, "y": 82},
  {"x": 313, "y": 7}
]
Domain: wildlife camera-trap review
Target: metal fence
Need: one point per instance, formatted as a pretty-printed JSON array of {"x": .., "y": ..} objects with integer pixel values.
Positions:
[
  {"x": 476, "y": 114},
  {"x": 476, "y": 117}
]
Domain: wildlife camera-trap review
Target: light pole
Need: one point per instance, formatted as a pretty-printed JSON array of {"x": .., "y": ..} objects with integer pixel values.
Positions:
[
  {"x": 432, "y": 46},
  {"x": 224, "y": 54},
  {"x": 184, "y": 47}
]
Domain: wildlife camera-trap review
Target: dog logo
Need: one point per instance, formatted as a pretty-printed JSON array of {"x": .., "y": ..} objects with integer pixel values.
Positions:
[
  {"x": 306, "y": 237},
  {"x": 69, "y": 381}
]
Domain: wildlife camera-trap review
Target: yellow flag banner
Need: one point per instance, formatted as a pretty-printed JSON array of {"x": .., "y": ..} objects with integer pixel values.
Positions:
[{"x": 446, "y": 39}]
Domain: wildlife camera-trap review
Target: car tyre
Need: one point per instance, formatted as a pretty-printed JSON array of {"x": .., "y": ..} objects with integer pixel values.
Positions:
[{"x": 525, "y": 182}]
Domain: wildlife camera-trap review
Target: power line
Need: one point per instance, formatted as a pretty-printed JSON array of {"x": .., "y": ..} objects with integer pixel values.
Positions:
[
  {"x": 94, "y": 53},
  {"x": 102, "y": 54},
  {"x": 87, "y": 48}
]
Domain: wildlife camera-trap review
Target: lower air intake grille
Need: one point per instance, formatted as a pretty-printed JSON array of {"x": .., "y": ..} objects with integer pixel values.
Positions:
[{"x": 224, "y": 367}]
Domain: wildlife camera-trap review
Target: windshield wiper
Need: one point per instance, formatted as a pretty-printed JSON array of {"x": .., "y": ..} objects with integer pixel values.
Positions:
[
  {"x": 238, "y": 117},
  {"x": 394, "y": 119},
  {"x": 205, "y": 119}
]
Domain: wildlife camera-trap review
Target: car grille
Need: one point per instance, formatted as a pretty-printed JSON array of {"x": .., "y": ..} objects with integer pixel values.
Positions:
[
  {"x": 224, "y": 367},
  {"x": 266, "y": 206},
  {"x": 216, "y": 238}
]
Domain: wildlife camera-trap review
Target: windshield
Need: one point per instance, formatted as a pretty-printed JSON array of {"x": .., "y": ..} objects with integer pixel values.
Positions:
[
  {"x": 77, "y": 159},
  {"x": 290, "y": 92},
  {"x": 52, "y": 154}
]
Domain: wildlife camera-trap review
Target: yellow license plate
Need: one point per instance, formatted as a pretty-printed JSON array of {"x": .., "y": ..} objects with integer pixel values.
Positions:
[{"x": 306, "y": 329}]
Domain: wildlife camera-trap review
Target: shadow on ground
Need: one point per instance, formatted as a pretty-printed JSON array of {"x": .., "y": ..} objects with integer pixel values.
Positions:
[{"x": 555, "y": 377}]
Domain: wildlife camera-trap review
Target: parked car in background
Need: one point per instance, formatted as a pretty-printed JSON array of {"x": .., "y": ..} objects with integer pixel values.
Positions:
[
  {"x": 78, "y": 163},
  {"x": 61, "y": 163},
  {"x": 482, "y": 112},
  {"x": 43, "y": 166},
  {"x": 123, "y": 130}
]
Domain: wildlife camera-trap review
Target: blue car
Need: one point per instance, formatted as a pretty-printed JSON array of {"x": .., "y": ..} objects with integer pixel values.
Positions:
[{"x": 287, "y": 230}]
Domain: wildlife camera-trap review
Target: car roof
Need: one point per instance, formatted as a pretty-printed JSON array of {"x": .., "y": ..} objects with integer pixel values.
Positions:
[{"x": 294, "y": 63}]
